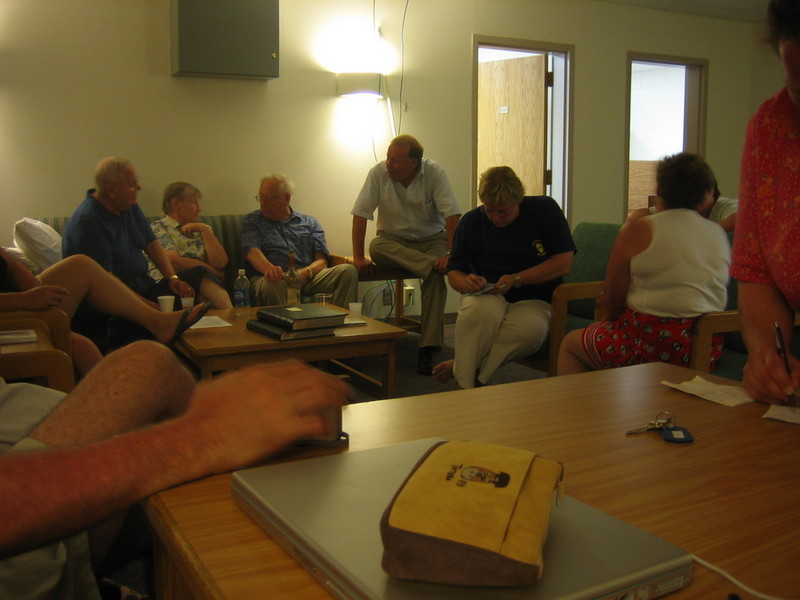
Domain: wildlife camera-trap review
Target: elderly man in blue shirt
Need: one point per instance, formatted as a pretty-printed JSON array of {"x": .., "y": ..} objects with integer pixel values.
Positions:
[{"x": 268, "y": 234}]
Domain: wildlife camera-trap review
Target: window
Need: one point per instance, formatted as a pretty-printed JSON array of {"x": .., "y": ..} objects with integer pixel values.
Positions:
[{"x": 666, "y": 115}]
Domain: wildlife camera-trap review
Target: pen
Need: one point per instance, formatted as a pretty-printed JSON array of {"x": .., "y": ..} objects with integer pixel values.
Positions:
[{"x": 782, "y": 353}]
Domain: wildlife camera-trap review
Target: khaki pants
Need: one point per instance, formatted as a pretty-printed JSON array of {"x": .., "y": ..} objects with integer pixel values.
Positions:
[
  {"x": 491, "y": 332},
  {"x": 341, "y": 281},
  {"x": 418, "y": 256}
]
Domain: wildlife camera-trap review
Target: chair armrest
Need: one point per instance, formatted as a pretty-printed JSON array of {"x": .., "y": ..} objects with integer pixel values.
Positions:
[
  {"x": 704, "y": 329},
  {"x": 55, "y": 322},
  {"x": 558, "y": 316}
]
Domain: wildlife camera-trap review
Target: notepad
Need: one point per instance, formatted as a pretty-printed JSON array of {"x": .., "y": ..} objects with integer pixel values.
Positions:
[{"x": 18, "y": 336}]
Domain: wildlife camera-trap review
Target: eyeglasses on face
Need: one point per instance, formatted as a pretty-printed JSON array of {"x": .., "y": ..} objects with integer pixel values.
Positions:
[
  {"x": 497, "y": 212},
  {"x": 268, "y": 197}
]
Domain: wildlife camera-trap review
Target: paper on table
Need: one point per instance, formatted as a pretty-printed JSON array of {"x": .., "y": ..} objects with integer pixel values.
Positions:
[
  {"x": 213, "y": 321},
  {"x": 729, "y": 395},
  {"x": 783, "y": 413},
  {"x": 351, "y": 320}
]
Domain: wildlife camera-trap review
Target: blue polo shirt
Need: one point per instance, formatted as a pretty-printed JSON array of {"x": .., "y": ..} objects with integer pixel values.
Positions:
[{"x": 116, "y": 242}]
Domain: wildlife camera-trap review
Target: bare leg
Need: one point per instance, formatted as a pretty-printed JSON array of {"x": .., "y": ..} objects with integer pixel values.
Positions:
[
  {"x": 572, "y": 357},
  {"x": 85, "y": 279},
  {"x": 137, "y": 385},
  {"x": 85, "y": 355},
  {"x": 213, "y": 293}
]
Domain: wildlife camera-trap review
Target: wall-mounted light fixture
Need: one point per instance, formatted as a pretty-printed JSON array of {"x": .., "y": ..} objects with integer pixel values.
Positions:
[{"x": 360, "y": 84}]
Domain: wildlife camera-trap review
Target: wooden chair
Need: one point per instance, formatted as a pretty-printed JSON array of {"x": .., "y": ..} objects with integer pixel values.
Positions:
[
  {"x": 734, "y": 354},
  {"x": 380, "y": 274},
  {"x": 48, "y": 360},
  {"x": 574, "y": 303}
]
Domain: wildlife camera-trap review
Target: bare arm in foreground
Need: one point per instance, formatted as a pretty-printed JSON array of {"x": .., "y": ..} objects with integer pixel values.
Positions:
[{"x": 232, "y": 421}]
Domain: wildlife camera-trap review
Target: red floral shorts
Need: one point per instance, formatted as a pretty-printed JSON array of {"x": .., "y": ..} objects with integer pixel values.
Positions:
[{"x": 637, "y": 338}]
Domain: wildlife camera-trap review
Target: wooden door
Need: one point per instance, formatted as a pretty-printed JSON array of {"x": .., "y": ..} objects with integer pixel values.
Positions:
[{"x": 512, "y": 118}]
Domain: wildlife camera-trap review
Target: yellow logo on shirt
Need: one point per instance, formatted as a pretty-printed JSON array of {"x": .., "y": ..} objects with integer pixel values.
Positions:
[{"x": 539, "y": 247}]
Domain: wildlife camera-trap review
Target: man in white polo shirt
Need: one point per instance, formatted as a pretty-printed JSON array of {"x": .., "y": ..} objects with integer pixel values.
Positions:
[{"x": 417, "y": 218}]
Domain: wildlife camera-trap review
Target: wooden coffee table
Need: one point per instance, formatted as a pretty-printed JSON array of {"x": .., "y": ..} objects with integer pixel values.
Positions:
[{"x": 222, "y": 348}]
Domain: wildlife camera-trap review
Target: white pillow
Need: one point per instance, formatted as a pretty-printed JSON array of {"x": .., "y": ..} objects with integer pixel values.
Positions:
[
  {"x": 21, "y": 257},
  {"x": 40, "y": 242}
]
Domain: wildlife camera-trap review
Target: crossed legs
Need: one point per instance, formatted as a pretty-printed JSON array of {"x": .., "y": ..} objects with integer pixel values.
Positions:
[
  {"x": 86, "y": 279},
  {"x": 418, "y": 257}
]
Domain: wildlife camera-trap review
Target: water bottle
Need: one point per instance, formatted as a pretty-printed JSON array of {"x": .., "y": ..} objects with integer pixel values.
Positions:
[
  {"x": 292, "y": 282},
  {"x": 241, "y": 294}
]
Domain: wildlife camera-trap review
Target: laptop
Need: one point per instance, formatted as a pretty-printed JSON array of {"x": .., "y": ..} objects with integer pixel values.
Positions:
[{"x": 325, "y": 512}]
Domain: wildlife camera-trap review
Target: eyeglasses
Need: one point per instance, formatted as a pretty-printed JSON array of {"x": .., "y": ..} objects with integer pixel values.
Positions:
[
  {"x": 268, "y": 197},
  {"x": 496, "y": 212},
  {"x": 134, "y": 185}
]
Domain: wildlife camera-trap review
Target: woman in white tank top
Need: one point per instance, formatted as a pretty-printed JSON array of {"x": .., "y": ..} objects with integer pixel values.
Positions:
[{"x": 665, "y": 270}]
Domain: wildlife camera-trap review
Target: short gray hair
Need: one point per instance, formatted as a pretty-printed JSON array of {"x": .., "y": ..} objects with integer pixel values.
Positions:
[
  {"x": 110, "y": 170},
  {"x": 284, "y": 183},
  {"x": 180, "y": 190}
]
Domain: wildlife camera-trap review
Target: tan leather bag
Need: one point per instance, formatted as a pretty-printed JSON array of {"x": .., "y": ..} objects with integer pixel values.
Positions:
[{"x": 471, "y": 513}]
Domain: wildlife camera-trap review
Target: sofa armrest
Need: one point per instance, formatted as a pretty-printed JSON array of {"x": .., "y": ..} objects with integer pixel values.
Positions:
[{"x": 559, "y": 310}]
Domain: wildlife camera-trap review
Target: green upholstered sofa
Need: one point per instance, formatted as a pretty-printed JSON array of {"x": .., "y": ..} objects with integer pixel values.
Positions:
[{"x": 227, "y": 228}]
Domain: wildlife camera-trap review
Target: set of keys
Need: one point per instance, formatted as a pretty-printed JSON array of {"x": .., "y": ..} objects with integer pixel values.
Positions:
[{"x": 664, "y": 424}]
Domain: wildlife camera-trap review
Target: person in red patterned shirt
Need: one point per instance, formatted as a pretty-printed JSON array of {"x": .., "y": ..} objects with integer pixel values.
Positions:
[{"x": 766, "y": 255}]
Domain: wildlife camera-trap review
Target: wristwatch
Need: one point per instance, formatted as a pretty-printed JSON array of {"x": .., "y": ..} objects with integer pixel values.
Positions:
[{"x": 517, "y": 280}]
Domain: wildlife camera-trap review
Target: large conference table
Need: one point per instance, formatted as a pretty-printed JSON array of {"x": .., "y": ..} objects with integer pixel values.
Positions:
[{"x": 732, "y": 497}]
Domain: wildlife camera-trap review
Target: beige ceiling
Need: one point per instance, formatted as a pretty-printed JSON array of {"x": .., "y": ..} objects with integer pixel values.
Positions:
[{"x": 738, "y": 10}]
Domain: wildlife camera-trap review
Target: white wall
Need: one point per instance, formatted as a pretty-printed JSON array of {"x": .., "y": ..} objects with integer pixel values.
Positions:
[{"x": 83, "y": 79}]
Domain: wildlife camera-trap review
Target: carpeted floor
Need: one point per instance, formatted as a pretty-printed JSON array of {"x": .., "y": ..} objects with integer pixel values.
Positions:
[{"x": 410, "y": 383}]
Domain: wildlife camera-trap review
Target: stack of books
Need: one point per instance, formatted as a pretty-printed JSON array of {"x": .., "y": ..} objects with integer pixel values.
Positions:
[{"x": 297, "y": 322}]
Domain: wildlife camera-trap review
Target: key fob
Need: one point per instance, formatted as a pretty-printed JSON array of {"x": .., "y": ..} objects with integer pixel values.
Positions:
[{"x": 678, "y": 435}]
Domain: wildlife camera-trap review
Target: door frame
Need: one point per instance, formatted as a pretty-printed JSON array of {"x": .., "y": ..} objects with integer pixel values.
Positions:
[
  {"x": 695, "y": 107},
  {"x": 568, "y": 52}
]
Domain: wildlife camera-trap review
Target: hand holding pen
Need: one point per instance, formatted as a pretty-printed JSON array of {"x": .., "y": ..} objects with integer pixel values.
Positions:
[{"x": 779, "y": 346}]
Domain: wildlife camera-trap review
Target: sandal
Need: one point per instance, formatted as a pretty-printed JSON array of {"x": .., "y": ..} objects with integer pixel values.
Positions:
[{"x": 185, "y": 322}]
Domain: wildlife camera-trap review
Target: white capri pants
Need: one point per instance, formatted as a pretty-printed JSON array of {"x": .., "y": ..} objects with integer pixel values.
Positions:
[{"x": 490, "y": 332}]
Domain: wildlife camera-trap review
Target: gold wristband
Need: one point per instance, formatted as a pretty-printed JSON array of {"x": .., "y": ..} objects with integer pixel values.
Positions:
[
  {"x": 173, "y": 276},
  {"x": 310, "y": 272}
]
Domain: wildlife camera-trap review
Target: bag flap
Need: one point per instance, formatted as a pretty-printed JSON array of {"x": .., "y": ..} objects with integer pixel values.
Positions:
[{"x": 464, "y": 483}]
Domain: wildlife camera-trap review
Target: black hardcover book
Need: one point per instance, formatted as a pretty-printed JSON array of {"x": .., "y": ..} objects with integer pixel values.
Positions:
[
  {"x": 302, "y": 316},
  {"x": 279, "y": 333}
]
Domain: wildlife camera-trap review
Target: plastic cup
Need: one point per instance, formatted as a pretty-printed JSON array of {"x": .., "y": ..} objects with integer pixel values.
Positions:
[
  {"x": 166, "y": 303},
  {"x": 323, "y": 299},
  {"x": 187, "y": 302},
  {"x": 355, "y": 309}
]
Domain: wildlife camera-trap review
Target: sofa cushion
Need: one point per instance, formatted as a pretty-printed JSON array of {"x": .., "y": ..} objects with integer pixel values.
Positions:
[
  {"x": 40, "y": 242},
  {"x": 23, "y": 258}
]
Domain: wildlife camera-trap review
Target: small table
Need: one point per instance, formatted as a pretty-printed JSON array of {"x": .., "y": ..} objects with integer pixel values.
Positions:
[
  {"x": 732, "y": 497},
  {"x": 39, "y": 361},
  {"x": 222, "y": 348}
]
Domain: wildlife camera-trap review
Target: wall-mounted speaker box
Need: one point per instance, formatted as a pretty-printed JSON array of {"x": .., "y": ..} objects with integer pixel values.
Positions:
[{"x": 225, "y": 38}]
